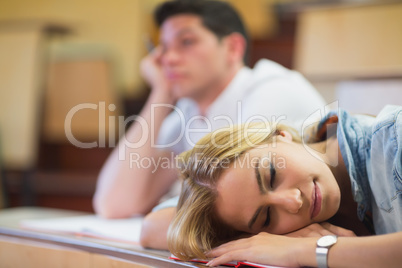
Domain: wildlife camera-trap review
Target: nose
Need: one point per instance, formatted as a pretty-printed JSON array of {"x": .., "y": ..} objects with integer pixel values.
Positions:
[
  {"x": 288, "y": 199},
  {"x": 170, "y": 56}
]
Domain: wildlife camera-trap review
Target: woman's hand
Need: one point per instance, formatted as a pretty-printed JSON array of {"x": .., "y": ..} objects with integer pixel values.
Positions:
[
  {"x": 265, "y": 248},
  {"x": 282, "y": 250},
  {"x": 321, "y": 229}
]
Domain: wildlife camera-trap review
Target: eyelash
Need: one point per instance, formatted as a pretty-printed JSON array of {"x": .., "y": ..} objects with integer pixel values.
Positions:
[
  {"x": 272, "y": 182},
  {"x": 268, "y": 219}
]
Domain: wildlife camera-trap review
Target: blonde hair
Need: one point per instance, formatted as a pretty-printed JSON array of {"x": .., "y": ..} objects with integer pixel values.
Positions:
[{"x": 196, "y": 229}]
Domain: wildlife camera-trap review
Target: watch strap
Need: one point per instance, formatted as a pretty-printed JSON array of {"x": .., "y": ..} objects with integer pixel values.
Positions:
[
  {"x": 322, "y": 257},
  {"x": 323, "y": 246}
]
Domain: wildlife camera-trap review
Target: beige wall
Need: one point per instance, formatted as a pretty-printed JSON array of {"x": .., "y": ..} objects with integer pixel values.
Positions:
[
  {"x": 349, "y": 42},
  {"x": 112, "y": 28},
  {"x": 19, "y": 97}
]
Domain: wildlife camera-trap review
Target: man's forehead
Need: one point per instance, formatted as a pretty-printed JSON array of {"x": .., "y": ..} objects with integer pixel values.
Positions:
[{"x": 179, "y": 24}]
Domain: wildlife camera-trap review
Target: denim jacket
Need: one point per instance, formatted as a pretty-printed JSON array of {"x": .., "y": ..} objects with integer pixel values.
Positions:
[{"x": 372, "y": 151}]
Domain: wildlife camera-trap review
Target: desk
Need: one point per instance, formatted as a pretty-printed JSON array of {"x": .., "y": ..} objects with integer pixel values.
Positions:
[{"x": 21, "y": 248}]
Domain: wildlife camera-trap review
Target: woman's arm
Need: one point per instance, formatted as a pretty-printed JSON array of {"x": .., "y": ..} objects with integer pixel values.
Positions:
[
  {"x": 154, "y": 228},
  {"x": 264, "y": 248}
]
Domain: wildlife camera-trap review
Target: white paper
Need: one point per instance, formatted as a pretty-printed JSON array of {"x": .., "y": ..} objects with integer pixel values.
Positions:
[{"x": 122, "y": 230}]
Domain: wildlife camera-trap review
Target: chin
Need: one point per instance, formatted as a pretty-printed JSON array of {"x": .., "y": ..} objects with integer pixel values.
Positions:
[{"x": 180, "y": 92}]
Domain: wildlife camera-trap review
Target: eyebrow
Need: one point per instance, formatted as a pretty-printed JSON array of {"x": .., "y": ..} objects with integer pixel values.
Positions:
[
  {"x": 262, "y": 191},
  {"x": 180, "y": 33},
  {"x": 185, "y": 31},
  {"x": 258, "y": 177}
]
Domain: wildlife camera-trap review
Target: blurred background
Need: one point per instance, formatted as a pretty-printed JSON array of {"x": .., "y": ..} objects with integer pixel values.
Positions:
[{"x": 55, "y": 55}]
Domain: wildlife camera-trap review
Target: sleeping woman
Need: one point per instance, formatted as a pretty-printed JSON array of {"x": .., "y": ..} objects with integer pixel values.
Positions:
[{"x": 244, "y": 188}]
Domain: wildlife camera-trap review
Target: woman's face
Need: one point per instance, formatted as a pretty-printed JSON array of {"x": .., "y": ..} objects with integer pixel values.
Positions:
[{"x": 276, "y": 188}]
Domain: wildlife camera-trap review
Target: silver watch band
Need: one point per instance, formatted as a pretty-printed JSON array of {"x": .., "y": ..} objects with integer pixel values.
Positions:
[
  {"x": 321, "y": 256},
  {"x": 323, "y": 246}
]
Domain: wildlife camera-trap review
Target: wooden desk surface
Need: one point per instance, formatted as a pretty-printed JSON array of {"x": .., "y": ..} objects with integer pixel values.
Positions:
[{"x": 22, "y": 248}]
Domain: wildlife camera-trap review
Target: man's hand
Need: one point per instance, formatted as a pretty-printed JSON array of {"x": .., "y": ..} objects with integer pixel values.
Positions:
[
  {"x": 321, "y": 229},
  {"x": 152, "y": 72}
]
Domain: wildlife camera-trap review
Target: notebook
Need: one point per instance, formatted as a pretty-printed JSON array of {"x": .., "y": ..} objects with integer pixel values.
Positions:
[{"x": 117, "y": 230}]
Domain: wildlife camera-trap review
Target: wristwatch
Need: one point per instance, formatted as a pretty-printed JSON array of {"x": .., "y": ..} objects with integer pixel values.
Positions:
[{"x": 323, "y": 245}]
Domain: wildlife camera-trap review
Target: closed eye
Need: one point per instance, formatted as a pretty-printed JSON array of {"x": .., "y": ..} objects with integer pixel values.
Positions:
[{"x": 272, "y": 172}]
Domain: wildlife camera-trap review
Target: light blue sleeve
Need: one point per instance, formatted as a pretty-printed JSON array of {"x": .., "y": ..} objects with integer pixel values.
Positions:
[
  {"x": 385, "y": 171},
  {"x": 172, "y": 202}
]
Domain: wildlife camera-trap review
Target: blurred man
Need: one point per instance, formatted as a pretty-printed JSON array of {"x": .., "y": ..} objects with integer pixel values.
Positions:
[{"x": 199, "y": 70}]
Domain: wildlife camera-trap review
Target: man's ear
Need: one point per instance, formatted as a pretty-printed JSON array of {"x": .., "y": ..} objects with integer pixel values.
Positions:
[
  {"x": 285, "y": 135},
  {"x": 236, "y": 45}
]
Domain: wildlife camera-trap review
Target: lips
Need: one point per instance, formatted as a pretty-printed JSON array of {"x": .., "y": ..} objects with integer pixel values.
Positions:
[
  {"x": 316, "y": 201},
  {"x": 174, "y": 76}
]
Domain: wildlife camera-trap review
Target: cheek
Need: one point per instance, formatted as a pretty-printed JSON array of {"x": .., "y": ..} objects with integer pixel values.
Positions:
[
  {"x": 207, "y": 56},
  {"x": 304, "y": 169}
]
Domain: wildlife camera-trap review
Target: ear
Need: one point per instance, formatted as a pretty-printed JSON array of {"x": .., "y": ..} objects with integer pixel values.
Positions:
[
  {"x": 236, "y": 45},
  {"x": 285, "y": 135}
]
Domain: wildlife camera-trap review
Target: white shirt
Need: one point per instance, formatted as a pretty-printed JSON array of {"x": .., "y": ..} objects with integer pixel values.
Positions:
[{"x": 269, "y": 91}]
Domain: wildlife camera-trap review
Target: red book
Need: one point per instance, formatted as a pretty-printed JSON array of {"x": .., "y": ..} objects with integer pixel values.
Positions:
[{"x": 236, "y": 264}]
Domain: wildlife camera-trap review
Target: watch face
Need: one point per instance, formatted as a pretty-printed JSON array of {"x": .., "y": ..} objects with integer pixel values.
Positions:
[{"x": 327, "y": 241}]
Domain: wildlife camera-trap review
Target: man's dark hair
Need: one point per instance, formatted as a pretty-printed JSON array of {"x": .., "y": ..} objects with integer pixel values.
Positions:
[{"x": 219, "y": 17}]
